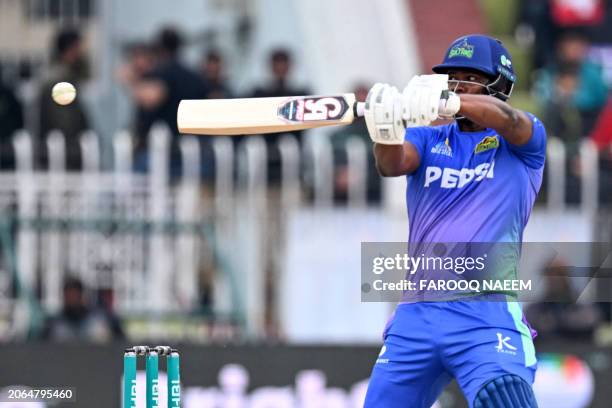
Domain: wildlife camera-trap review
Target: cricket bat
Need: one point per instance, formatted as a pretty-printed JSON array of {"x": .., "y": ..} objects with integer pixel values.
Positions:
[{"x": 266, "y": 115}]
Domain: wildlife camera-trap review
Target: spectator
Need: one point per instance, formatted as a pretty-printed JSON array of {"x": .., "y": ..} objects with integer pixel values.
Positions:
[
  {"x": 216, "y": 87},
  {"x": 590, "y": 92},
  {"x": 139, "y": 66},
  {"x": 279, "y": 85},
  {"x": 558, "y": 314},
  {"x": 536, "y": 24},
  {"x": 341, "y": 172},
  {"x": 175, "y": 80},
  {"x": 69, "y": 65},
  {"x": 280, "y": 70},
  {"x": 214, "y": 79},
  {"x": 77, "y": 321},
  {"x": 167, "y": 84},
  {"x": 561, "y": 115},
  {"x": 106, "y": 306},
  {"x": 563, "y": 120},
  {"x": 11, "y": 120}
]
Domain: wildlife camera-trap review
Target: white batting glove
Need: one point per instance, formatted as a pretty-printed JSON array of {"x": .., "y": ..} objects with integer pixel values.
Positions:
[
  {"x": 383, "y": 115},
  {"x": 449, "y": 105},
  {"x": 428, "y": 98}
]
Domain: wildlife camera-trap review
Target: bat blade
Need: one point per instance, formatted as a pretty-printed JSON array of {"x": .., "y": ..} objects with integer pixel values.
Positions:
[{"x": 264, "y": 115}]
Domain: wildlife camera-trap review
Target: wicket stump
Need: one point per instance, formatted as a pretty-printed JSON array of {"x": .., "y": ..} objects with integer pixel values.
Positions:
[{"x": 151, "y": 354}]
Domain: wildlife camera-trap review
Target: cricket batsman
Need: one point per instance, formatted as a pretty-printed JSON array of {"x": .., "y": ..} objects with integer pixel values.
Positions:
[{"x": 473, "y": 180}]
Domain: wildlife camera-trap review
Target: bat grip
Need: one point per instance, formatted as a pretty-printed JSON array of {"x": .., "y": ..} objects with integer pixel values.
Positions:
[{"x": 359, "y": 109}]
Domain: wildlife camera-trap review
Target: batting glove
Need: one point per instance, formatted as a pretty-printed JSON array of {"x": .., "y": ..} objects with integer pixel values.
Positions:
[
  {"x": 428, "y": 98},
  {"x": 383, "y": 115}
]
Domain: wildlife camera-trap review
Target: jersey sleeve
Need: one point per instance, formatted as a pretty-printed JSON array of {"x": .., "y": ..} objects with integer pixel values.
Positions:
[
  {"x": 532, "y": 153},
  {"x": 420, "y": 138}
]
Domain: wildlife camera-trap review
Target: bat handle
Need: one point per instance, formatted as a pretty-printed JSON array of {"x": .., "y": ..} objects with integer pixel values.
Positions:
[{"x": 359, "y": 109}]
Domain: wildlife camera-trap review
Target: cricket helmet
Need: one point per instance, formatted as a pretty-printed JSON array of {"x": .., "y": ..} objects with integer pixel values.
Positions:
[{"x": 483, "y": 54}]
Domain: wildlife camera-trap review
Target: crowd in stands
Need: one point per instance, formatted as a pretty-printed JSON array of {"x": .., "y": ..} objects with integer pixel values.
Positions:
[
  {"x": 570, "y": 85},
  {"x": 572, "y": 82},
  {"x": 155, "y": 77}
]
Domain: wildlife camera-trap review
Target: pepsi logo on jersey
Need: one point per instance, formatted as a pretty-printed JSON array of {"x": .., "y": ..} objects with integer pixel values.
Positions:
[{"x": 455, "y": 178}]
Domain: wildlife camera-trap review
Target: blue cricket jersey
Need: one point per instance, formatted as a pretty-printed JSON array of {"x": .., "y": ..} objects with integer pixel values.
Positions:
[
  {"x": 471, "y": 187},
  {"x": 472, "y": 193}
]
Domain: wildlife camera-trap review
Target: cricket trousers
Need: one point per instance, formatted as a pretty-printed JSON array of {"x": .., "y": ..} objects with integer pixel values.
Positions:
[{"x": 428, "y": 344}]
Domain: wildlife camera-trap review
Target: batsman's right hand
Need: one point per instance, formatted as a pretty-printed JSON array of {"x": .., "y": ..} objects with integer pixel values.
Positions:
[
  {"x": 427, "y": 98},
  {"x": 383, "y": 115}
]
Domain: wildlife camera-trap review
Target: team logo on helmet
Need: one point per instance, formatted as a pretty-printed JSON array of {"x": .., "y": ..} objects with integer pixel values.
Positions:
[
  {"x": 463, "y": 49},
  {"x": 505, "y": 61}
]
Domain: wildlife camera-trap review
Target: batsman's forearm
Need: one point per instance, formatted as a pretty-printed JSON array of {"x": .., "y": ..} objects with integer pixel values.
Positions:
[
  {"x": 488, "y": 111},
  {"x": 513, "y": 124},
  {"x": 395, "y": 160}
]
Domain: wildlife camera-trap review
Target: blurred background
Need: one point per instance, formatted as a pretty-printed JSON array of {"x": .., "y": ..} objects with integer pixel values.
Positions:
[{"x": 245, "y": 251}]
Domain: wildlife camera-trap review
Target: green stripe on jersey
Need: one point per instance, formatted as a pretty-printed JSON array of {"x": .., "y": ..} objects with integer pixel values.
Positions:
[{"x": 528, "y": 349}]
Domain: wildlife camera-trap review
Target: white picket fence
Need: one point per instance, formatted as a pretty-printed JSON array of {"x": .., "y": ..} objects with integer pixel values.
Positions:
[
  {"x": 147, "y": 237},
  {"x": 143, "y": 235}
]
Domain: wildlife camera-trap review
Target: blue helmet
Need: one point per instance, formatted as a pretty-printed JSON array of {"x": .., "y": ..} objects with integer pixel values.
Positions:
[{"x": 485, "y": 55}]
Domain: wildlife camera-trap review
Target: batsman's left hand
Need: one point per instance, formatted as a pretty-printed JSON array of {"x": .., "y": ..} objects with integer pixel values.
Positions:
[{"x": 383, "y": 115}]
